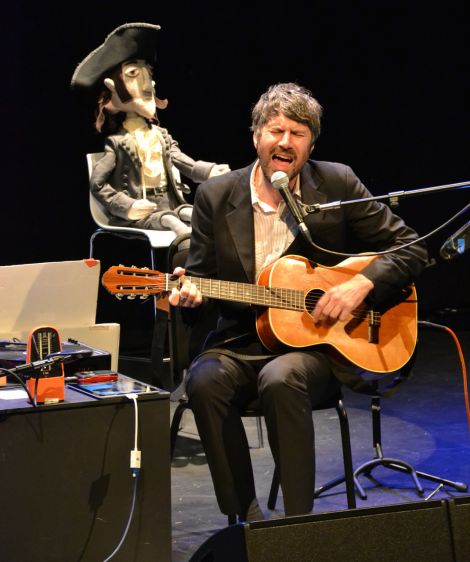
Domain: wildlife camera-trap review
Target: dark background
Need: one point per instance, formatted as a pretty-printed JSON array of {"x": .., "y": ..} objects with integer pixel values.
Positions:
[{"x": 393, "y": 80}]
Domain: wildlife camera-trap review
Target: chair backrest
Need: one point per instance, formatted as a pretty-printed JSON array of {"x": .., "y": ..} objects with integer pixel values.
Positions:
[
  {"x": 184, "y": 341},
  {"x": 97, "y": 211}
]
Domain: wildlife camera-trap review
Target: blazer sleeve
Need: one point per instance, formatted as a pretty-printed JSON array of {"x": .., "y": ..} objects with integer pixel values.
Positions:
[
  {"x": 196, "y": 170},
  {"x": 117, "y": 202},
  {"x": 381, "y": 229}
]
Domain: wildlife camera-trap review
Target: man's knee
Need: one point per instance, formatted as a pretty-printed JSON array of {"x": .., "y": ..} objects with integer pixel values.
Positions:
[
  {"x": 276, "y": 376},
  {"x": 203, "y": 376},
  {"x": 292, "y": 371}
]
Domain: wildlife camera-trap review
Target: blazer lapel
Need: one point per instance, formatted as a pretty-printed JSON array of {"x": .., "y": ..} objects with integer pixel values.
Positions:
[
  {"x": 310, "y": 181},
  {"x": 241, "y": 224}
]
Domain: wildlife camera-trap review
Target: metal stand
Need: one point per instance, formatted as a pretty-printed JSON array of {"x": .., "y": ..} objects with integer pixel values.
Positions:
[{"x": 394, "y": 464}]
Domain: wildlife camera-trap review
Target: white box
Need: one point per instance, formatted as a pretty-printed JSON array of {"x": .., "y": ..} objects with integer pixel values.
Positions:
[{"x": 59, "y": 294}]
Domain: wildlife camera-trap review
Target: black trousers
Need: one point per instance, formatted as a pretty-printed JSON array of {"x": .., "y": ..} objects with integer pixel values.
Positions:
[{"x": 289, "y": 386}]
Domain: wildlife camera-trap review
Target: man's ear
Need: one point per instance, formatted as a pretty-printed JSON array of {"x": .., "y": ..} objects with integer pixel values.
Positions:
[
  {"x": 311, "y": 150},
  {"x": 109, "y": 83},
  {"x": 255, "y": 140}
]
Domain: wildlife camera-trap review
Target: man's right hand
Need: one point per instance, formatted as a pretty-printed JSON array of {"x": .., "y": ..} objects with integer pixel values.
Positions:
[
  {"x": 188, "y": 295},
  {"x": 140, "y": 209}
]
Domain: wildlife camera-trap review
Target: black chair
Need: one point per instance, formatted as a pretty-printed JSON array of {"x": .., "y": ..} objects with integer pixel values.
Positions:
[
  {"x": 253, "y": 410},
  {"x": 184, "y": 345}
]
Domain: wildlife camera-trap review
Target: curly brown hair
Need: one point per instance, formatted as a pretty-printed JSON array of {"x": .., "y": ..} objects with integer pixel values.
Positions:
[{"x": 296, "y": 102}]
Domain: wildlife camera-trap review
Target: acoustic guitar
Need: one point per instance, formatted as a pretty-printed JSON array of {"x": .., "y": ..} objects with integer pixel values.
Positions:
[{"x": 285, "y": 296}]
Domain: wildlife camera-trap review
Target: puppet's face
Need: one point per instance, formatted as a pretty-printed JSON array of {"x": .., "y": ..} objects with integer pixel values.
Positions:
[{"x": 137, "y": 79}]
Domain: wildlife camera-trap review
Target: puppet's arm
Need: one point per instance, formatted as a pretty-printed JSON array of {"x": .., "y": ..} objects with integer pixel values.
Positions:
[{"x": 196, "y": 170}]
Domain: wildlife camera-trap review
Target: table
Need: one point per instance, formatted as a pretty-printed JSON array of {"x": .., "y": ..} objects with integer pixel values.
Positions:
[{"x": 66, "y": 484}]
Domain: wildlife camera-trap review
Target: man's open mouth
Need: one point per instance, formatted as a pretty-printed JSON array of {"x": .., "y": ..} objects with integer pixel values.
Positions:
[{"x": 283, "y": 158}]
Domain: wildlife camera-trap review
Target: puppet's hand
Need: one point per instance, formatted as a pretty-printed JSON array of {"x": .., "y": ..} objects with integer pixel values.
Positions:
[
  {"x": 219, "y": 169},
  {"x": 140, "y": 209}
]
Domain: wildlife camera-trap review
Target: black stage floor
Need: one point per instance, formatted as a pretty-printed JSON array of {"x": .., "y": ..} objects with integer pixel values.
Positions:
[{"x": 424, "y": 423}]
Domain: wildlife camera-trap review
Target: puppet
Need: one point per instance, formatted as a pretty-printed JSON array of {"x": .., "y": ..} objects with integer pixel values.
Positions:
[{"x": 138, "y": 178}]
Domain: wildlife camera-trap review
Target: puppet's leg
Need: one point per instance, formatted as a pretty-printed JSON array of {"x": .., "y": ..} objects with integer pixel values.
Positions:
[
  {"x": 169, "y": 220},
  {"x": 184, "y": 212}
]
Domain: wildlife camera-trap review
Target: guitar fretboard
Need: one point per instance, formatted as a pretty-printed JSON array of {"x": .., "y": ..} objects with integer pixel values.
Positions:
[{"x": 289, "y": 299}]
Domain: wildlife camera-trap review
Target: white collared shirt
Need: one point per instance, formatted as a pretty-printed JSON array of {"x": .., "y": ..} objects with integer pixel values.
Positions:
[{"x": 275, "y": 229}]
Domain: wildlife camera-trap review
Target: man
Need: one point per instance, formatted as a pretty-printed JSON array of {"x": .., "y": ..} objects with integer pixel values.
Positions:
[
  {"x": 138, "y": 178},
  {"x": 241, "y": 225}
]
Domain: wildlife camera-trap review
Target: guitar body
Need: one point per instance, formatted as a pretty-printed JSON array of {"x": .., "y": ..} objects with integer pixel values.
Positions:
[{"x": 279, "y": 329}]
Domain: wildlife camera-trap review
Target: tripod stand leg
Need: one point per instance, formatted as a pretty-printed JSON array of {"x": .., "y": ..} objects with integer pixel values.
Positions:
[
  {"x": 392, "y": 464},
  {"x": 459, "y": 486}
]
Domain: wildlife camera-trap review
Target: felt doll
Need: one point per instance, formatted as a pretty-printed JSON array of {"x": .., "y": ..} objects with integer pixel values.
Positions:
[{"x": 138, "y": 178}]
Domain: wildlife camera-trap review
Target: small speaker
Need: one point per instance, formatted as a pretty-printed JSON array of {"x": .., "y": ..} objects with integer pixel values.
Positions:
[
  {"x": 459, "y": 512},
  {"x": 415, "y": 532}
]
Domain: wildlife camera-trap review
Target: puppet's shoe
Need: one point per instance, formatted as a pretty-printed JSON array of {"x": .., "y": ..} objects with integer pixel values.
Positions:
[{"x": 172, "y": 222}]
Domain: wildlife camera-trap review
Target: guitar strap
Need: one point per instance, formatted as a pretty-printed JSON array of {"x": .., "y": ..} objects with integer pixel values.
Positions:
[
  {"x": 235, "y": 354},
  {"x": 240, "y": 356}
]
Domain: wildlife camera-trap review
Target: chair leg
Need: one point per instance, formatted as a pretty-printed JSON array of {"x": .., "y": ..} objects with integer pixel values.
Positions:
[
  {"x": 92, "y": 241},
  {"x": 175, "y": 425},
  {"x": 274, "y": 491},
  {"x": 347, "y": 454},
  {"x": 259, "y": 429},
  {"x": 347, "y": 460}
]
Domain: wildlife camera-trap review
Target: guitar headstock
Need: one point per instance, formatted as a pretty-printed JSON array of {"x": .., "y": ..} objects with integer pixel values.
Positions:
[{"x": 134, "y": 281}]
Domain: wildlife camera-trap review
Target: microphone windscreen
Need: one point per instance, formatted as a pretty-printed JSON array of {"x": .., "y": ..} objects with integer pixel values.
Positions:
[{"x": 279, "y": 180}]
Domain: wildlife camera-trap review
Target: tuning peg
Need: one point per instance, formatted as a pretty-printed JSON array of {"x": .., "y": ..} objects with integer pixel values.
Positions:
[
  {"x": 143, "y": 297},
  {"x": 119, "y": 296},
  {"x": 131, "y": 296}
]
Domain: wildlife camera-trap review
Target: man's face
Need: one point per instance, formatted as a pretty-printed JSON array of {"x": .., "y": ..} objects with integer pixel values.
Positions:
[
  {"x": 137, "y": 78},
  {"x": 283, "y": 145}
]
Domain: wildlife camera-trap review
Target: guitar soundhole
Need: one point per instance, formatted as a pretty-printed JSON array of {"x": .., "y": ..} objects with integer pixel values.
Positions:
[{"x": 312, "y": 298}]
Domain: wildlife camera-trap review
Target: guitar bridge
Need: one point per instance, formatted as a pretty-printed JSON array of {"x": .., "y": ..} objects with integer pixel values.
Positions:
[{"x": 373, "y": 328}]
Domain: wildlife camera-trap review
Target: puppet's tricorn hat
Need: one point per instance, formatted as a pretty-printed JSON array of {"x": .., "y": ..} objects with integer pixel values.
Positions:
[{"x": 128, "y": 41}]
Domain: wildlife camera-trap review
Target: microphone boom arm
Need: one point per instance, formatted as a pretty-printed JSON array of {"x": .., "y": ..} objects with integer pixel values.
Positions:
[{"x": 393, "y": 197}]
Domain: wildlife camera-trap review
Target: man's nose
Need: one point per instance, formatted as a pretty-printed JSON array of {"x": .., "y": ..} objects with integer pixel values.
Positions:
[{"x": 284, "y": 141}]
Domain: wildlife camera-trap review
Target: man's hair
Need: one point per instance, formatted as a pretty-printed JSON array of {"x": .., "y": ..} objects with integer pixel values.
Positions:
[{"x": 297, "y": 103}]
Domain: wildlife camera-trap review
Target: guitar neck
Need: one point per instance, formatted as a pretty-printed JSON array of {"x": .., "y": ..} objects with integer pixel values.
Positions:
[{"x": 289, "y": 299}]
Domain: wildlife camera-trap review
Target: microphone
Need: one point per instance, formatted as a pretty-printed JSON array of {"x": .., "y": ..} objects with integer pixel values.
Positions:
[
  {"x": 280, "y": 181},
  {"x": 457, "y": 243}
]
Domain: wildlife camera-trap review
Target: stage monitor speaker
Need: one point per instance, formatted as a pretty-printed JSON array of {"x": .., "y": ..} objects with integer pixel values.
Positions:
[
  {"x": 415, "y": 532},
  {"x": 459, "y": 511}
]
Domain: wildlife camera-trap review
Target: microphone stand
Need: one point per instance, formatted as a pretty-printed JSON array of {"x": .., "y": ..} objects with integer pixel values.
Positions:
[
  {"x": 41, "y": 383},
  {"x": 43, "y": 366},
  {"x": 393, "y": 197}
]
